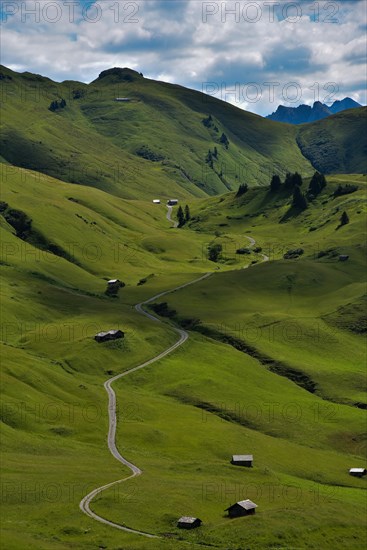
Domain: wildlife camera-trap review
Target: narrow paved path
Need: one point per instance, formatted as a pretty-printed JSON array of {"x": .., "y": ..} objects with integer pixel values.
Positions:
[
  {"x": 111, "y": 439},
  {"x": 252, "y": 244},
  {"x": 169, "y": 216}
]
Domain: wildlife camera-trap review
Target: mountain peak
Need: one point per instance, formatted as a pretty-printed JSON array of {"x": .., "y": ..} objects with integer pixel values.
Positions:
[
  {"x": 120, "y": 74},
  {"x": 342, "y": 105},
  {"x": 305, "y": 113}
]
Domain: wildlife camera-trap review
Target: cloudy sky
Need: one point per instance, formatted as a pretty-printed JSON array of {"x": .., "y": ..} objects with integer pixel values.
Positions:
[{"x": 255, "y": 54}]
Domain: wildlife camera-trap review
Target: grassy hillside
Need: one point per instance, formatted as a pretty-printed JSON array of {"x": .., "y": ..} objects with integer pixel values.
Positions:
[
  {"x": 157, "y": 144},
  {"x": 336, "y": 144},
  {"x": 54, "y": 415},
  {"x": 302, "y": 313},
  {"x": 209, "y": 401},
  {"x": 274, "y": 366}
]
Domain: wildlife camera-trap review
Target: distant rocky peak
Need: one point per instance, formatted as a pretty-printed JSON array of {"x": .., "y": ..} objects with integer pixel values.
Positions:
[{"x": 305, "y": 113}]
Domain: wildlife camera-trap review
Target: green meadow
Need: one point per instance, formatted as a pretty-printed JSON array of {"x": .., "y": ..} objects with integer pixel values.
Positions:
[
  {"x": 275, "y": 361},
  {"x": 181, "y": 419}
]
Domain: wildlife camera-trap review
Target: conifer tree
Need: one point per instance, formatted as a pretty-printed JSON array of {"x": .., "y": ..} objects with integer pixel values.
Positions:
[
  {"x": 317, "y": 184},
  {"x": 297, "y": 179},
  {"x": 275, "y": 183},
  {"x": 243, "y": 188},
  {"x": 344, "y": 218},
  {"x": 187, "y": 213},
  {"x": 223, "y": 139},
  {"x": 299, "y": 200},
  {"x": 180, "y": 217}
]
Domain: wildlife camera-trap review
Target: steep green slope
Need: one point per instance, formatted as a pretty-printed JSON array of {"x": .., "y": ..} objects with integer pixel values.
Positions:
[
  {"x": 53, "y": 416},
  {"x": 181, "y": 419},
  {"x": 302, "y": 314},
  {"x": 81, "y": 236},
  {"x": 156, "y": 144},
  {"x": 337, "y": 144}
]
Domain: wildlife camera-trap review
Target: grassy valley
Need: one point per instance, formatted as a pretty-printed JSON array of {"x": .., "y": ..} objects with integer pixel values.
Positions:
[{"x": 275, "y": 360}]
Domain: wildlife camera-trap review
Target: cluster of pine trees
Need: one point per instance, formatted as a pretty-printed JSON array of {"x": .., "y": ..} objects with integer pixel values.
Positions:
[
  {"x": 209, "y": 123},
  {"x": 211, "y": 156},
  {"x": 293, "y": 182},
  {"x": 183, "y": 216},
  {"x": 56, "y": 105}
]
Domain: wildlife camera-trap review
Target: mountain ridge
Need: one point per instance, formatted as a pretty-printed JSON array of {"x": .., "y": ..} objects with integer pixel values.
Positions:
[
  {"x": 305, "y": 113},
  {"x": 167, "y": 140}
]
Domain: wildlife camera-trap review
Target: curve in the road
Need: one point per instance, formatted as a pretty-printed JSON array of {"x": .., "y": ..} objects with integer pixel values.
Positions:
[
  {"x": 169, "y": 217},
  {"x": 84, "y": 505},
  {"x": 111, "y": 440},
  {"x": 251, "y": 245}
]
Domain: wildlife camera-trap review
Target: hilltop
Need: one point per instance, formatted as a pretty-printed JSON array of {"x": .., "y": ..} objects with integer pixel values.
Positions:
[{"x": 163, "y": 139}]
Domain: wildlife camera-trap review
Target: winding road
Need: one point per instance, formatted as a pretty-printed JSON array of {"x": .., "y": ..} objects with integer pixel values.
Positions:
[
  {"x": 111, "y": 439},
  {"x": 252, "y": 244},
  {"x": 169, "y": 216},
  {"x": 84, "y": 505}
]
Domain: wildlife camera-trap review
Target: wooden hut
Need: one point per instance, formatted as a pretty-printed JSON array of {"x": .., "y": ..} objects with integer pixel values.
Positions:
[
  {"x": 242, "y": 460},
  {"x": 109, "y": 335},
  {"x": 241, "y": 508},
  {"x": 358, "y": 472},
  {"x": 187, "y": 522},
  {"x": 113, "y": 286}
]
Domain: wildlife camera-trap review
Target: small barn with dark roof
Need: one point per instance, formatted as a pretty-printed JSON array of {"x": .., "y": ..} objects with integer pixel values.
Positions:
[
  {"x": 113, "y": 286},
  {"x": 187, "y": 522},
  {"x": 241, "y": 508},
  {"x": 358, "y": 472},
  {"x": 109, "y": 335},
  {"x": 242, "y": 460}
]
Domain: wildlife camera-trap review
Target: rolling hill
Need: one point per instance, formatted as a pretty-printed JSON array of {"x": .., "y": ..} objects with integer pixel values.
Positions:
[
  {"x": 338, "y": 143},
  {"x": 207, "y": 146},
  {"x": 274, "y": 364},
  {"x": 261, "y": 337}
]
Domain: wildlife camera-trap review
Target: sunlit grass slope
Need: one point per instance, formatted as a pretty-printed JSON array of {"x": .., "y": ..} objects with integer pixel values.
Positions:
[
  {"x": 307, "y": 313},
  {"x": 54, "y": 410},
  {"x": 181, "y": 419},
  {"x": 157, "y": 143}
]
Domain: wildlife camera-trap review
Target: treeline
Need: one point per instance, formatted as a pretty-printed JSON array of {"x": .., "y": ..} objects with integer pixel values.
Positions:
[
  {"x": 183, "y": 216},
  {"x": 57, "y": 105},
  {"x": 294, "y": 182}
]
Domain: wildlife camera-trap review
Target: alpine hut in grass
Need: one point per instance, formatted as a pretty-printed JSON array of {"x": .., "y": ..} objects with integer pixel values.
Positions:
[
  {"x": 242, "y": 460},
  {"x": 358, "y": 472},
  {"x": 241, "y": 508},
  {"x": 109, "y": 335},
  {"x": 113, "y": 286},
  {"x": 187, "y": 522}
]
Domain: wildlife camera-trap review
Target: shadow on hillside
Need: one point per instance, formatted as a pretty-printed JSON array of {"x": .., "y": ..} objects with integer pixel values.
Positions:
[{"x": 293, "y": 212}]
